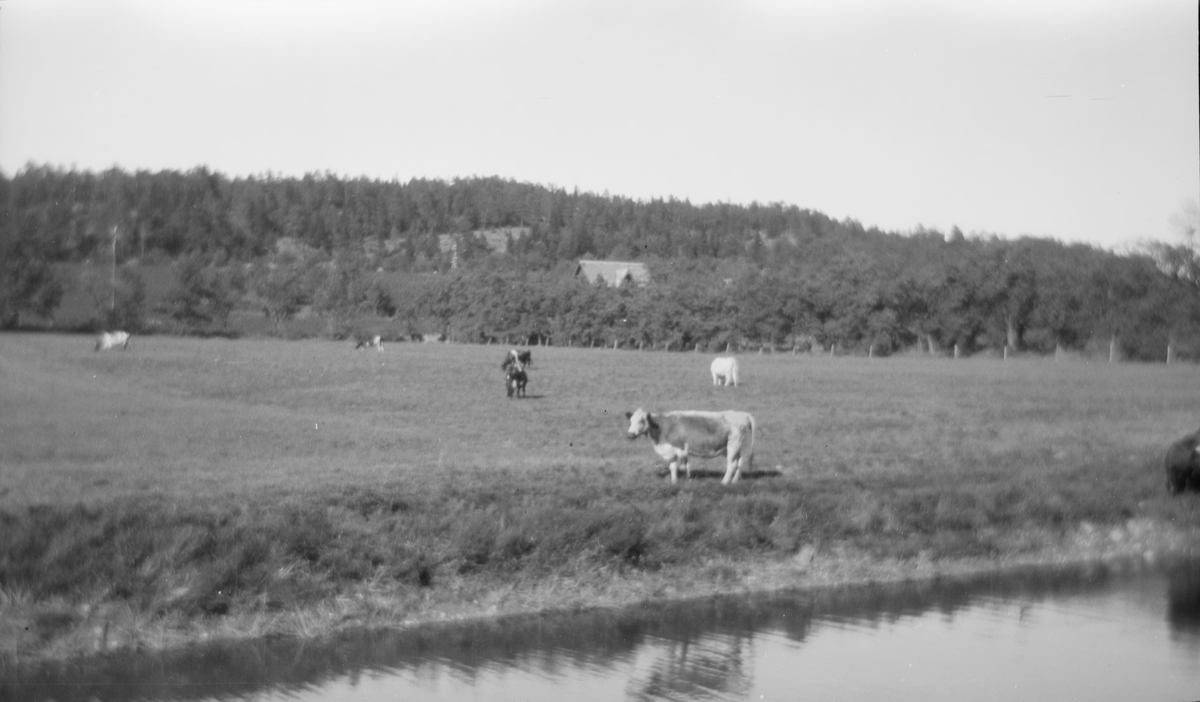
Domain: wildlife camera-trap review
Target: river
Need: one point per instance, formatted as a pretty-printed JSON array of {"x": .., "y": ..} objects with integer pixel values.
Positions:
[{"x": 1120, "y": 631}]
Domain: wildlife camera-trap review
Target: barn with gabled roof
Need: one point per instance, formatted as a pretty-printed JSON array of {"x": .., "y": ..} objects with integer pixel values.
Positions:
[{"x": 614, "y": 273}]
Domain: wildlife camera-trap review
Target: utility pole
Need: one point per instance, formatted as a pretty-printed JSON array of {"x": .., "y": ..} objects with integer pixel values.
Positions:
[{"x": 112, "y": 305}]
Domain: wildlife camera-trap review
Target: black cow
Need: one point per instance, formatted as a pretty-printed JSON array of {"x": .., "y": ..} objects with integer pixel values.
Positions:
[
  {"x": 515, "y": 380},
  {"x": 519, "y": 358},
  {"x": 1183, "y": 464}
]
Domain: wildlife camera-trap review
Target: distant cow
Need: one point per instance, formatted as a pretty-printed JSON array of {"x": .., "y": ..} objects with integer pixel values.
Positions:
[
  {"x": 111, "y": 340},
  {"x": 368, "y": 342},
  {"x": 724, "y": 371},
  {"x": 515, "y": 380},
  {"x": 515, "y": 357},
  {"x": 1183, "y": 464},
  {"x": 680, "y": 435}
]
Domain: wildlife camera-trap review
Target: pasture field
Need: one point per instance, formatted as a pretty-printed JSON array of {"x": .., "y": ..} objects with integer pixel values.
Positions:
[{"x": 207, "y": 487}]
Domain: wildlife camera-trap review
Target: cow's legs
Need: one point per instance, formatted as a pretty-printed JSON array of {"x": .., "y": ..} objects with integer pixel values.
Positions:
[
  {"x": 732, "y": 472},
  {"x": 732, "y": 465},
  {"x": 674, "y": 471}
]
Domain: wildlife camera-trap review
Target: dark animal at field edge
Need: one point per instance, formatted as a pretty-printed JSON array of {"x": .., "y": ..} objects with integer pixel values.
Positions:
[
  {"x": 1182, "y": 464},
  {"x": 521, "y": 358},
  {"x": 679, "y": 435},
  {"x": 515, "y": 380}
]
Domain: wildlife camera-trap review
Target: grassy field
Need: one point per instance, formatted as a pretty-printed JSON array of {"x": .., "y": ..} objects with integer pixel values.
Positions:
[{"x": 196, "y": 487}]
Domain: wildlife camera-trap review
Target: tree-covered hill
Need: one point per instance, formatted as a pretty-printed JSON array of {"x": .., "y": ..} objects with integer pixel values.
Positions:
[{"x": 359, "y": 253}]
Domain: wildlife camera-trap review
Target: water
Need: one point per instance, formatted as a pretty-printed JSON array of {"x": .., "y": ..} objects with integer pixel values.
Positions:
[{"x": 1119, "y": 632}]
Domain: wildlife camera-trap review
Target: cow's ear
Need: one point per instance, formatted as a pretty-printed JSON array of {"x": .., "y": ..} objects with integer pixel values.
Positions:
[{"x": 628, "y": 415}]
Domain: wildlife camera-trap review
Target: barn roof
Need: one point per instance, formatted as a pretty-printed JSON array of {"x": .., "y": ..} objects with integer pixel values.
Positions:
[{"x": 614, "y": 273}]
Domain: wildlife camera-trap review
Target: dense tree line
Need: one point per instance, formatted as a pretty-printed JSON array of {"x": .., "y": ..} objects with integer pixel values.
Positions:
[{"x": 759, "y": 274}]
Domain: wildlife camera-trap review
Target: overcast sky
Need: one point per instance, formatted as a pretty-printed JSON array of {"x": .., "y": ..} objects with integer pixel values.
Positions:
[{"x": 1075, "y": 119}]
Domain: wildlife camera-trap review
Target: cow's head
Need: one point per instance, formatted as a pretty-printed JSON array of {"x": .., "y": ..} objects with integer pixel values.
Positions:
[{"x": 640, "y": 422}]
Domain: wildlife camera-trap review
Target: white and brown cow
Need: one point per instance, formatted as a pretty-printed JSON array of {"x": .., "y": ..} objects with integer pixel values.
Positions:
[
  {"x": 364, "y": 341},
  {"x": 521, "y": 359},
  {"x": 682, "y": 434}
]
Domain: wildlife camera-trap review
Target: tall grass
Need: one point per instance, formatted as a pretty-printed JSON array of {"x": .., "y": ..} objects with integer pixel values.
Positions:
[{"x": 199, "y": 478}]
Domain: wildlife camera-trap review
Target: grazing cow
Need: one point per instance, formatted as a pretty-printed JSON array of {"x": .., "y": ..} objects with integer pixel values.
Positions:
[
  {"x": 111, "y": 340},
  {"x": 724, "y": 371},
  {"x": 1183, "y": 464},
  {"x": 679, "y": 435},
  {"x": 515, "y": 357},
  {"x": 515, "y": 380},
  {"x": 373, "y": 342}
]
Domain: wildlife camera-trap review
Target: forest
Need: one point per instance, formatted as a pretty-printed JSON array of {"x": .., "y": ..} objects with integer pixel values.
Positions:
[{"x": 485, "y": 259}]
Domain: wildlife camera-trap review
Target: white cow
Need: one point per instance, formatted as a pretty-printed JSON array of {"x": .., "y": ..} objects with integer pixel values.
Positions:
[
  {"x": 679, "y": 435},
  {"x": 724, "y": 370},
  {"x": 111, "y": 340}
]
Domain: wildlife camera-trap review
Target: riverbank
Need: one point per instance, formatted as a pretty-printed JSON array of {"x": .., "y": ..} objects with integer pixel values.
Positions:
[{"x": 39, "y": 633}]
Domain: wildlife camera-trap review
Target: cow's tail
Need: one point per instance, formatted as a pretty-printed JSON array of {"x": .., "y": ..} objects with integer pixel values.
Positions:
[
  {"x": 733, "y": 371},
  {"x": 753, "y": 434}
]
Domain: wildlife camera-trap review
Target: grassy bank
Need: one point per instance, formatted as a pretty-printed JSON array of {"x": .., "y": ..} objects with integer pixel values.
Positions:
[{"x": 193, "y": 488}]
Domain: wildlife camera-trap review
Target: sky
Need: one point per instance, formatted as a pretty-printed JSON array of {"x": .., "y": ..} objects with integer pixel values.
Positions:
[{"x": 1071, "y": 119}]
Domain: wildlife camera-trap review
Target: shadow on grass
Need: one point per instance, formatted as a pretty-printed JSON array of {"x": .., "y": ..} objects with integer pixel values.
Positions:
[{"x": 717, "y": 474}]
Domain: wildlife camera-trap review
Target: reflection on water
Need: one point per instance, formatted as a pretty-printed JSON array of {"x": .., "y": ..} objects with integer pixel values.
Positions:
[
  {"x": 1095, "y": 633},
  {"x": 1183, "y": 602}
]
